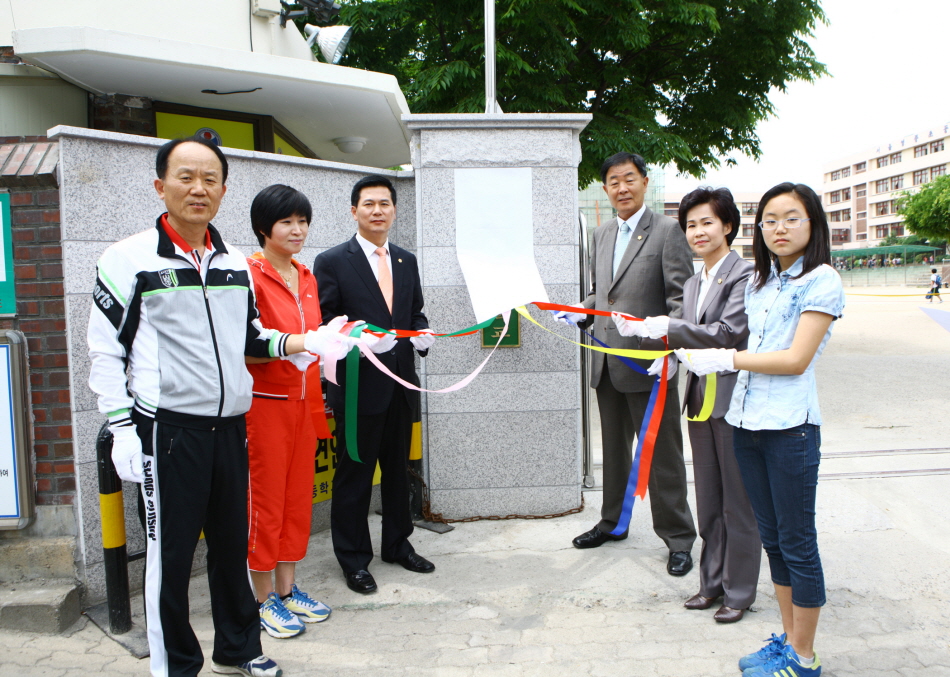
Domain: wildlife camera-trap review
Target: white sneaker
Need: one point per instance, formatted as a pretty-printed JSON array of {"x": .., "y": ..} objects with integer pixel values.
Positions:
[
  {"x": 277, "y": 621},
  {"x": 305, "y": 607},
  {"x": 262, "y": 666}
]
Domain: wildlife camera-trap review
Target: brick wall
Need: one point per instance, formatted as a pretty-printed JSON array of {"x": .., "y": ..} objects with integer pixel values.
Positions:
[
  {"x": 41, "y": 315},
  {"x": 120, "y": 113}
]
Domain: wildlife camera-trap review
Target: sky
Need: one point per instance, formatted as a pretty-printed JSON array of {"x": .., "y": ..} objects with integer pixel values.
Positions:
[{"x": 888, "y": 62}]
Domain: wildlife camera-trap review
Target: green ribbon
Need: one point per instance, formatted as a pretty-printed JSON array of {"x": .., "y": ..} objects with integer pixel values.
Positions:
[
  {"x": 352, "y": 396},
  {"x": 351, "y": 403}
]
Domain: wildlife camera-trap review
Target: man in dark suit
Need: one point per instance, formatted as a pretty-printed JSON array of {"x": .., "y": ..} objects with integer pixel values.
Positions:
[
  {"x": 369, "y": 278},
  {"x": 639, "y": 262}
]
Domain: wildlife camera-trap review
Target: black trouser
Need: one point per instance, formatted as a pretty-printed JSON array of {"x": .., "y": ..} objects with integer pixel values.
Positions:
[
  {"x": 196, "y": 478},
  {"x": 385, "y": 438}
]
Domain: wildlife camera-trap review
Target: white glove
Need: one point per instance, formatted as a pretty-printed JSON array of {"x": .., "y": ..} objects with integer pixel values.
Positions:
[
  {"x": 563, "y": 316},
  {"x": 301, "y": 360},
  {"x": 657, "y": 367},
  {"x": 127, "y": 453},
  {"x": 423, "y": 342},
  {"x": 382, "y": 344},
  {"x": 628, "y": 327},
  {"x": 657, "y": 327},
  {"x": 328, "y": 339},
  {"x": 707, "y": 361}
]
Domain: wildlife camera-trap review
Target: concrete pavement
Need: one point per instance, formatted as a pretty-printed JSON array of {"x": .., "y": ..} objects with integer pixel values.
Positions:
[{"x": 514, "y": 598}]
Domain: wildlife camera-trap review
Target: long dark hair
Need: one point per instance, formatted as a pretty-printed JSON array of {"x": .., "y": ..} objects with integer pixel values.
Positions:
[{"x": 818, "y": 250}]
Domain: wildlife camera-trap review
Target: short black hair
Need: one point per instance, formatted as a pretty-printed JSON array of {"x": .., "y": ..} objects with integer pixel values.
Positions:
[
  {"x": 274, "y": 204},
  {"x": 161, "y": 159},
  {"x": 933, "y": 270},
  {"x": 723, "y": 205},
  {"x": 621, "y": 159},
  {"x": 818, "y": 249},
  {"x": 371, "y": 181}
]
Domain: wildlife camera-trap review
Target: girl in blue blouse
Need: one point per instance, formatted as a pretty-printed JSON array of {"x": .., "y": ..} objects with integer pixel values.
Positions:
[{"x": 792, "y": 299}]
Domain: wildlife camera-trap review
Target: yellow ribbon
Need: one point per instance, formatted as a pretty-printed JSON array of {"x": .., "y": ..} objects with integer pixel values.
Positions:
[{"x": 709, "y": 400}]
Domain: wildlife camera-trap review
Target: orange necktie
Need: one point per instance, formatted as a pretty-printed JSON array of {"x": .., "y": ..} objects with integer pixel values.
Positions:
[{"x": 385, "y": 279}]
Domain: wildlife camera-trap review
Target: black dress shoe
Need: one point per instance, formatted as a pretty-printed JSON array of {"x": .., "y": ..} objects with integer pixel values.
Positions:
[
  {"x": 413, "y": 562},
  {"x": 680, "y": 564},
  {"x": 361, "y": 581},
  {"x": 594, "y": 539}
]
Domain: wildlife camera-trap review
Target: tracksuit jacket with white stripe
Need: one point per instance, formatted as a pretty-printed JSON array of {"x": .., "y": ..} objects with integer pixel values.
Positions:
[{"x": 183, "y": 332}]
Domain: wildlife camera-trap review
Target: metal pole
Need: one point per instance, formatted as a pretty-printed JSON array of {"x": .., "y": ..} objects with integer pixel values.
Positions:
[
  {"x": 114, "y": 550},
  {"x": 491, "y": 105}
]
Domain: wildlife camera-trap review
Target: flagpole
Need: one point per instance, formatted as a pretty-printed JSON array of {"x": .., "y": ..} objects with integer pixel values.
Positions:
[{"x": 491, "y": 104}]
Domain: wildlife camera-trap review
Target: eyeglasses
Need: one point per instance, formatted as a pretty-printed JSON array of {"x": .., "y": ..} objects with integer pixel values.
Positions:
[{"x": 772, "y": 224}]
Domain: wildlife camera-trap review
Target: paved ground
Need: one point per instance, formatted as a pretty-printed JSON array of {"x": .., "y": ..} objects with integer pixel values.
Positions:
[{"x": 515, "y": 598}]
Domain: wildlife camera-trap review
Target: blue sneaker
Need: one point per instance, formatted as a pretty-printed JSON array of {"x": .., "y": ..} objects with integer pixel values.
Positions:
[
  {"x": 262, "y": 666},
  {"x": 305, "y": 607},
  {"x": 785, "y": 664},
  {"x": 277, "y": 621},
  {"x": 772, "y": 648}
]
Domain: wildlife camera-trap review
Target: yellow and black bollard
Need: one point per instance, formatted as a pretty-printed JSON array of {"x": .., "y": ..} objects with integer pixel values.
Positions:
[{"x": 114, "y": 551}]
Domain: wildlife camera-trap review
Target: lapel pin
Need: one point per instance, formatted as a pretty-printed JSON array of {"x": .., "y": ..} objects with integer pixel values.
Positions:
[
  {"x": 719, "y": 281},
  {"x": 400, "y": 261},
  {"x": 639, "y": 237}
]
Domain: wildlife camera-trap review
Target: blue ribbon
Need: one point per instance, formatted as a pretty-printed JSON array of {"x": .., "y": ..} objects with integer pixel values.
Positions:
[{"x": 629, "y": 497}]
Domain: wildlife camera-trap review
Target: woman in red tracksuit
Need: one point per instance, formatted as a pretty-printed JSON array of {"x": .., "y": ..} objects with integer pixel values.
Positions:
[{"x": 286, "y": 416}]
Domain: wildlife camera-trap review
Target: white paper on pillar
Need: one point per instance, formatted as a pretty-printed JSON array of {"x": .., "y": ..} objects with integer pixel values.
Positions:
[{"x": 494, "y": 239}]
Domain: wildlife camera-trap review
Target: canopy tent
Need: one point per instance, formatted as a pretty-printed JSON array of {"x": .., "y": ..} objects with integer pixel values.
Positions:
[{"x": 902, "y": 249}]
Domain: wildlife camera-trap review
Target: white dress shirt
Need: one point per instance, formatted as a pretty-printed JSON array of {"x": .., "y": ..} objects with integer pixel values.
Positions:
[
  {"x": 705, "y": 282},
  {"x": 632, "y": 223},
  {"x": 370, "y": 250}
]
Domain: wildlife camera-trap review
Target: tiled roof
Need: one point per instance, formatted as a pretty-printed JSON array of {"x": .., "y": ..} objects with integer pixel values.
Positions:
[{"x": 29, "y": 164}]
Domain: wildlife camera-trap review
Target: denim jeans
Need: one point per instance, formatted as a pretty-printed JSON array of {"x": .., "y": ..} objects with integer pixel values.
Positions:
[{"x": 780, "y": 472}]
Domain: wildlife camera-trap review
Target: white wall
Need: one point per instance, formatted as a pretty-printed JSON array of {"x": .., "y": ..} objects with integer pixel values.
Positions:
[{"x": 219, "y": 23}]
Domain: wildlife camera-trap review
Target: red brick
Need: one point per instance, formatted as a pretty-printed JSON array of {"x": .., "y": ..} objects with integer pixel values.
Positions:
[
  {"x": 39, "y": 415},
  {"x": 51, "y": 216},
  {"x": 63, "y": 449},
  {"x": 24, "y": 235},
  {"x": 65, "y": 432},
  {"x": 60, "y": 360},
  {"x": 34, "y": 344},
  {"x": 25, "y": 271},
  {"x": 26, "y": 289},
  {"x": 56, "y": 342},
  {"x": 61, "y": 414},
  {"x": 65, "y": 484},
  {"x": 36, "y": 362},
  {"x": 50, "y": 234},
  {"x": 6, "y": 323},
  {"x": 44, "y": 468},
  {"x": 45, "y": 432},
  {"x": 47, "y": 197},
  {"x": 48, "y": 270},
  {"x": 43, "y": 485},
  {"x": 59, "y": 378},
  {"x": 41, "y": 450},
  {"x": 54, "y": 307},
  {"x": 64, "y": 468},
  {"x": 36, "y": 379},
  {"x": 50, "y": 252},
  {"x": 21, "y": 199},
  {"x": 27, "y": 216},
  {"x": 28, "y": 308}
]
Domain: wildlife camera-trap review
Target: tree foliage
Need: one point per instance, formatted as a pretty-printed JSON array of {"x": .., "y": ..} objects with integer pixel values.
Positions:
[
  {"x": 678, "y": 81},
  {"x": 927, "y": 212}
]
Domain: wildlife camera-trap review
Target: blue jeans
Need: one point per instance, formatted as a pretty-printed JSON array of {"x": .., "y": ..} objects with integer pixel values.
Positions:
[{"x": 780, "y": 472}]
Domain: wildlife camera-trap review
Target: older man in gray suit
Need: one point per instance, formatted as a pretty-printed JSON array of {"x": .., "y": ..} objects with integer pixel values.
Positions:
[{"x": 639, "y": 262}]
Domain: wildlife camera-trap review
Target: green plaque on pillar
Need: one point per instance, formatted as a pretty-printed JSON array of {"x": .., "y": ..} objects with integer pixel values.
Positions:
[
  {"x": 7, "y": 281},
  {"x": 512, "y": 338}
]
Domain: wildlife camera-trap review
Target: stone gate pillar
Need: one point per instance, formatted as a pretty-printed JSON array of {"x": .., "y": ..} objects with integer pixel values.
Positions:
[{"x": 509, "y": 442}]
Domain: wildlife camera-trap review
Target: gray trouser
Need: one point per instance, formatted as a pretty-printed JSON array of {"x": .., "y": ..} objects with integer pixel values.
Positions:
[
  {"x": 621, "y": 415},
  {"x": 732, "y": 551}
]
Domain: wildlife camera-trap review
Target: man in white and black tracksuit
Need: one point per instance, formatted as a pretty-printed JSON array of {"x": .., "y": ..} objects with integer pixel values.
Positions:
[{"x": 172, "y": 321}]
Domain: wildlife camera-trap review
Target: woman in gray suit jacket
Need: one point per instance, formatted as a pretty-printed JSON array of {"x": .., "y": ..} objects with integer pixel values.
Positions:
[{"x": 714, "y": 317}]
